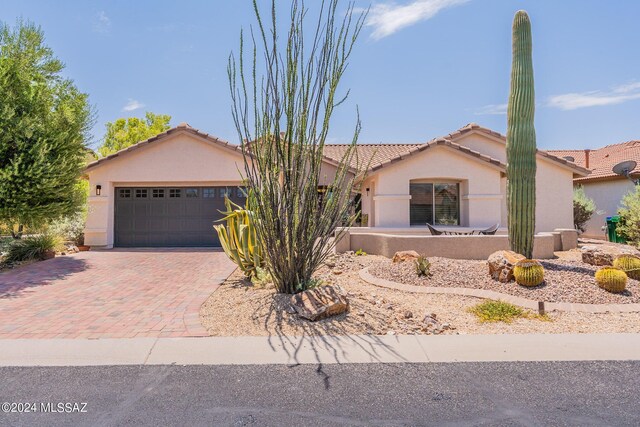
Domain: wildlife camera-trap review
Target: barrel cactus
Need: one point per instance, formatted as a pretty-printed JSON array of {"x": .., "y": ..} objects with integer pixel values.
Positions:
[
  {"x": 630, "y": 264},
  {"x": 521, "y": 141},
  {"x": 528, "y": 272},
  {"x": 611, "y": 279}
]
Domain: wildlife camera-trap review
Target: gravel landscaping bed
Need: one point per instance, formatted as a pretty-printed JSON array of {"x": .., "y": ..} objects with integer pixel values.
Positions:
[
  {"x": 237, "y": 308},
  {"x": 566, "y": 280}
]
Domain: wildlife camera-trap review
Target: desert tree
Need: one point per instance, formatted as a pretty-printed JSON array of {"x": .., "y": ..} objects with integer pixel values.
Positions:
[
  {"x": 44, "y": 125},
  {"x": 284, "y": 89}
]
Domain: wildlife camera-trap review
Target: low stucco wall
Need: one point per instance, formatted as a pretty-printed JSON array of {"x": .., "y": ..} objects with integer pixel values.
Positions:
[{"x": 457, "y": 247}]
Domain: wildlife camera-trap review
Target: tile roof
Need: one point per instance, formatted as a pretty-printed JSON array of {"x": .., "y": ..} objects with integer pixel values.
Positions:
[
  {"x": 602, "y": 160},
  {"x": 384, "y": 154},
  {"x": 374, "y": 156}
]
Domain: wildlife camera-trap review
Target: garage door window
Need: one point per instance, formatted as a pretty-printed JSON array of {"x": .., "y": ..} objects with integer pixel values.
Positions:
[
  {"x": 158, "y": 193},
  {"x": 208, "y": 193},
  {"x": 125, "y": 193},
  {"x": 225, "y": 192},
  {"x": 242, "y": 192},
  {"x": 175, "y": 192},
  {"x": 191, "y": 192},
  {"x": 141, "y": 193}
]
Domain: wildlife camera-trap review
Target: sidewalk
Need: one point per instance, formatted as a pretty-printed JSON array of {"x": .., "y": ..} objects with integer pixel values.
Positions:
[{"x": 314, "y": 350}]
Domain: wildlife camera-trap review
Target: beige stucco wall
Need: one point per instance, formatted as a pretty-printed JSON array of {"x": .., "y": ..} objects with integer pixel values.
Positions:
[
  {"x": 607, "y": 196},
  {"x": 554, "y": 184},
  {"x": 179, "y": 160},
  {"x": 457, "y": 247}
]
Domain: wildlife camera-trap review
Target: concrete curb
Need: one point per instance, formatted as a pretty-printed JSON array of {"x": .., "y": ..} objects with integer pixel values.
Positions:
[
  {"x": 342, "y": 349},
  {"x": 483, "y": 293}
]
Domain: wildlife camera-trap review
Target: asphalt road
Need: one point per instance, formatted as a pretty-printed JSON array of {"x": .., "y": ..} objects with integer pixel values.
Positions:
[{"x": 455, "y": 394}]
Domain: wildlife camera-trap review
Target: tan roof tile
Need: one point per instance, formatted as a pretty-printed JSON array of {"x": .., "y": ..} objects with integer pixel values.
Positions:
[{"x": 602, "y": 160}]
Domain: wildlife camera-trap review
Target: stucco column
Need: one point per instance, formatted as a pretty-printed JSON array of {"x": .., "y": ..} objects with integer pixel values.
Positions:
[{"x": 392, "y": 210}]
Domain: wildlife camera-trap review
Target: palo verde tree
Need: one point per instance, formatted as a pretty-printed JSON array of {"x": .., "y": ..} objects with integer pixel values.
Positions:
[
  {"x": 283, "y": 99},
  {"x": 521, "y": 141},
  {"x": 44, "y": 123},
  {"x": 125, "y": 132}
]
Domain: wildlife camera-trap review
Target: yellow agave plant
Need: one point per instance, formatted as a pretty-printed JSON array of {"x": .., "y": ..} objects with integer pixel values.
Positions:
[{"x": 239, "y": 238}]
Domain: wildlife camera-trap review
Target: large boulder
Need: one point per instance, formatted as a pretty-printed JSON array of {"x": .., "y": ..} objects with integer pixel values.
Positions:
[
  {"x": 403, "y": 256},
  {"x": 319, "y": 303},
  {"x": 604, "y": 254},
  {"x": 501, "y": 265}
]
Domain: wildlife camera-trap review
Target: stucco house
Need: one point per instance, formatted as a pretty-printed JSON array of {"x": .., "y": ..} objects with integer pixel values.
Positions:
[
  {"x": 602, "y": 185},
  {"x": 167, "y": 190}
]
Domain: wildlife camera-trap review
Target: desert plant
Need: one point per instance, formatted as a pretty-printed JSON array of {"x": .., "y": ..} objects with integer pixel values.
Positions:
[
  {"x": 583, "y": 208},
  {"x": 70, "y": 228},
  {"x": 497, "y": 311},
  {"x": 630, "y": 264},
  {"x": 283, "y": 115},
  {"x": 611, "y": 279},
  {"x": 423, "y": 266},
  {"x": 33, "y": 247},
  {"x": 360, "y": 252},
  {"x": 528, "y": 272},
  {"x": 629, "y": 211},
  {"x": 521, "y": 142},
  {"x": 239, "y": 238}
]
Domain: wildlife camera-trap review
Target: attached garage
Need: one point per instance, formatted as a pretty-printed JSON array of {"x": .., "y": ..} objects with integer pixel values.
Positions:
[
  {"x": 167, "y": 191},
  {"x": 170, "y": 216}
]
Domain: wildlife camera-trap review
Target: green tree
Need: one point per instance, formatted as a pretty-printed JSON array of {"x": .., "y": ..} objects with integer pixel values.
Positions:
[
  {"x": 127, "y": 131},
  {"x": 583, "y": 208},
  {"x": 629, "y": 211},
  {"x": 44, "y": 125}
]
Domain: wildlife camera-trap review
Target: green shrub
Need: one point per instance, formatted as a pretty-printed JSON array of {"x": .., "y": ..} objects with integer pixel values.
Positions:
[
  {"x": 497, "y": 311},
  {"x": 423, "y": 266},
  {"x": 360, "y": 252},
  {"x": 583, "y": 208},
  {"x": 70, "y": 229},
  {"x": 629, "y": 225},
  {"x": 33, "y": 247}
]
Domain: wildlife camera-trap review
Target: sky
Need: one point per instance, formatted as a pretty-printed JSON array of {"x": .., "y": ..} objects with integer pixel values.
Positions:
[{"x": 421, "y": 68}]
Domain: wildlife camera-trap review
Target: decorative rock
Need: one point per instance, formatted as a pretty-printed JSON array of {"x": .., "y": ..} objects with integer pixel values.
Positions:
[
  {"x": 408, "y": 315},
  {"x": 501, "y": 265},
  {"x": 319, "y": 303},
  {"x": 336, "y": 271},
  {"x": 604, "y": 254},
  {"x": 403, "y": 256}
]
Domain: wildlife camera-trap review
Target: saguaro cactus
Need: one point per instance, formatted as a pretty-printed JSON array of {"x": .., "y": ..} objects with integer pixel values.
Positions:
[{"x": 521, "y": 141}]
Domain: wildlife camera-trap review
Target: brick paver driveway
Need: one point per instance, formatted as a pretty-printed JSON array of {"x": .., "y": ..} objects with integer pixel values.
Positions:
[{"x": 115, "y": 293}]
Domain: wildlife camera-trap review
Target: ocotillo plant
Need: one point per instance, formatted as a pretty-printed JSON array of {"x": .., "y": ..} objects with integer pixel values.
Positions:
[{"x": 521, "y": 141}]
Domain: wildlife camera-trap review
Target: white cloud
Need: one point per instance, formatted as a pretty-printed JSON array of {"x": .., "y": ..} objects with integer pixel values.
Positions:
[
  {"x": 496, "y": 109},
  {"x": 101, "y": 23},
  {"x": 387, "y": 18},
  {"x": 132, "y": 105},
  {"x": 616, "y": 95}
]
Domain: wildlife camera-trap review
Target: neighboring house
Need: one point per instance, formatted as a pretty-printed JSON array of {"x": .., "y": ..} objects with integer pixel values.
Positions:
[
  {"x": 167, "y": 190},
  {"x": 602, "y": 185}
]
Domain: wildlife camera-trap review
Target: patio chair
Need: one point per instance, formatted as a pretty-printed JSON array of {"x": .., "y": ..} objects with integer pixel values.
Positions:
[
  {"x": 489, "y": 231},
  {"x": 433, "y": 231}
]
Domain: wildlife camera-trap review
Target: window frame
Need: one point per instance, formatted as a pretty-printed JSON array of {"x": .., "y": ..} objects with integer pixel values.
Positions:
[{"x": 433, "y": 184}]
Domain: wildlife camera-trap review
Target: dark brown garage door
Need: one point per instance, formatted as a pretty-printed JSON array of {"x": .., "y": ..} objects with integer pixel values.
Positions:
[{"x": 170, "y": 216}]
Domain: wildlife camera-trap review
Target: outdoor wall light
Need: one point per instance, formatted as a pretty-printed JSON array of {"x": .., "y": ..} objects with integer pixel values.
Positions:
[
  {"x": 367, "y": 190},
  {"x": 98, "y": 189}
]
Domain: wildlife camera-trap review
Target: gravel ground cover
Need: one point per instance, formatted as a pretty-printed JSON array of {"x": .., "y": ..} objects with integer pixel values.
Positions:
[
  {"x": 237, "y": 308},
  {"x": 566, "y": 280}
]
